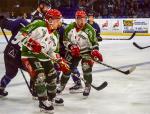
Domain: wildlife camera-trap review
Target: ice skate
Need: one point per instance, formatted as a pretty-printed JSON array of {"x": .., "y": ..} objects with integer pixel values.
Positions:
[
  {"x": 46, "y": 106},
  {"x": 77, "y": 88},
  {"x": 3, "y": 93},
  {"x": 86, "y": 91}
]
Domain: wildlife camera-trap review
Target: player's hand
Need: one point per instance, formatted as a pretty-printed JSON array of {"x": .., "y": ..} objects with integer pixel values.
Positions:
[
  {"x": 96, "y": 55},
  {"x": 34, "y": 45},
  {"x": 75, "y": 50},
  {"x": 99, "y": 38},
  {"x": 62, "y": 64}
]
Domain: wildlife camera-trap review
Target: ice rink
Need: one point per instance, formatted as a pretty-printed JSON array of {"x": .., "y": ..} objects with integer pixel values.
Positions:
[{"x": 125, "y": 94}]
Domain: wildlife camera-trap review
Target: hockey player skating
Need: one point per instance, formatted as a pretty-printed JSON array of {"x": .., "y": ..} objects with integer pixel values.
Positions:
[
  {"x": 38, "y": 14},
  {"x": 14, "y": 59},
  {"x": 94, "y": 25},
  {"x": 43, "y": 6},
  {"x": 12, "y": 54},
  {"x": 82, "y": 45},
  {"x": 78, "y": 86},
  {"x": 39, "y": 55}
]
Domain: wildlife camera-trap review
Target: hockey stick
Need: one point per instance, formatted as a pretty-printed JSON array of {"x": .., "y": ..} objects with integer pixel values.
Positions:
[
  {"x": 98, "y": 88},
  {"x": 133, "y": 34},
  {"x": 20, "y": 69},
  {"x": 139, "y": 47},
  {"x": 124, "y": 72}
]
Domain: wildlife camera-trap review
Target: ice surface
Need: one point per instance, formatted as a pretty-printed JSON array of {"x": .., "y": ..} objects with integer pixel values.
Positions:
[{"x": 125, "y": 94}]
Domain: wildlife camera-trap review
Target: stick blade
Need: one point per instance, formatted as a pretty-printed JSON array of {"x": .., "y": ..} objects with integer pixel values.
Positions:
[
  {"x": 139, "y": 47},
  {"x": 130, "y": 70},
  {"x": 102, "y": 86},
  {"x": 136, "y": 45}
]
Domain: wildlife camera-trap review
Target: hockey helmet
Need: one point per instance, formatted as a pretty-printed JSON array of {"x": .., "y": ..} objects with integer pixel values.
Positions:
[
  {"x": 46, "y": 2},
  {"x": 81, "y": 14},
  {"x": 53, "y": 13}
]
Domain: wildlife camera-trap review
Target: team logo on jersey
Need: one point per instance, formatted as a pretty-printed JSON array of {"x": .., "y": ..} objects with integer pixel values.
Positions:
[
  {"x": 53, "y": 40},
  {"x": 44, "y": 32},
  {"x": 82, "y": 36},
  {"x": 12, "y": 52}
]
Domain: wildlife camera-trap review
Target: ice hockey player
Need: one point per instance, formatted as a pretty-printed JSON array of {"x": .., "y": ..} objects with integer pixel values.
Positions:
[
  {"x": 38, "y": 14},
  {"x": 62, "y": 50},
  {"x": 78, "y": 86},
  {"x": 12, "y": 54},
  {"x": 39, "y": 53},
  {"x": 14, "y": 27},
  {"x": 82, "y": 45},
  {"x": 94, "y": 25},
  {"x": 43, "y": 6}
]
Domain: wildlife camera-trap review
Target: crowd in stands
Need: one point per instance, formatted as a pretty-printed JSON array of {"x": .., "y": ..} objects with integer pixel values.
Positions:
[
  {"x": 117, "y": 8},
  {"x": 101, "y": 8},
  {"x": 121, "y": 8}
]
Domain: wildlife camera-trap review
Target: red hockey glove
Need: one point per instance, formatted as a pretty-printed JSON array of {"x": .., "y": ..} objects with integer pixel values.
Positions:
[
  {"x": 75, "y": 50},
  {"x": 63, "y": 66},
  {"x": 34, "y": 45},
  {"x": 95, "y": 54}
]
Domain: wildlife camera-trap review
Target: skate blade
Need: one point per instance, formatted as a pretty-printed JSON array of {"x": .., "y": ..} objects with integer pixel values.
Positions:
[
  {"x": 85, "y": 97},
  {"x": 34, "y": 98},
  {"x": 56, "y": 104},
  {"x": 76, "y": 91},
  {"x": 47, "y": 111},
  {"x": 3, "y": 96}
]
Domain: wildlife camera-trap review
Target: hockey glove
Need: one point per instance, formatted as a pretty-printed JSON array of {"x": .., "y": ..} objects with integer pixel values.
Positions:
[
  {"x": 63, "y": 66},
  {"x": 75, "y": 50},
  {"x": 99, "y": 38},
  {"x": 96, "y": 55},
  {"x": 34, "y": 45}
]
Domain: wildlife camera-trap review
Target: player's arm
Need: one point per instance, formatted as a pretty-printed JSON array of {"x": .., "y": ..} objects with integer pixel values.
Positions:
[
  {"x": 95, "y": 54},
  {"x": 25, "y": 31},
  {"x": 32, "y": 26},
  {"x": 66, "y": 38},
  {"x": 73, "y": 48},
  {"x": 32, "y": 40},
  {"x": 99, "y": 38},
  {"x": 93, "y": 38}
]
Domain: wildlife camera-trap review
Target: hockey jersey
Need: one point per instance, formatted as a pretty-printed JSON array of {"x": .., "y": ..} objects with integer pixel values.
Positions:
[
  {"x": 39, "y": 32},
  {"x": 85, "y": 38}
]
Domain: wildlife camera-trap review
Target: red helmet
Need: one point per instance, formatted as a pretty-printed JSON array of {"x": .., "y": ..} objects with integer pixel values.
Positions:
[
  {"x": 53, "y": 13},
  {"x": 81, "y": 13}
]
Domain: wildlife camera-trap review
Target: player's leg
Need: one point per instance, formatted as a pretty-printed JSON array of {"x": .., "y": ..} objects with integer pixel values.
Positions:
[
  {"x": 11, "y": 66},
  {"x": 87, "y": 65},
  {"x": 51, "y": 75},
  {"x": 65, "y": 77},
  {"x": 37, "y": 73},
  {"x": 11, "y": 71},
  {"x": 77, "y": 82}
]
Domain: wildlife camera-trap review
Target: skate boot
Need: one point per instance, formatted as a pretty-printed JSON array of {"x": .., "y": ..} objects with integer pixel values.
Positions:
[
  {"x": 77, "y": 88},
  {"x": 59, "y": 89},
  {"x": 3, "y": 93},
  {"x": 86, "y": 91},
  {"x": 58, "y": 101},
  {"x": 46, "y": 106}
]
